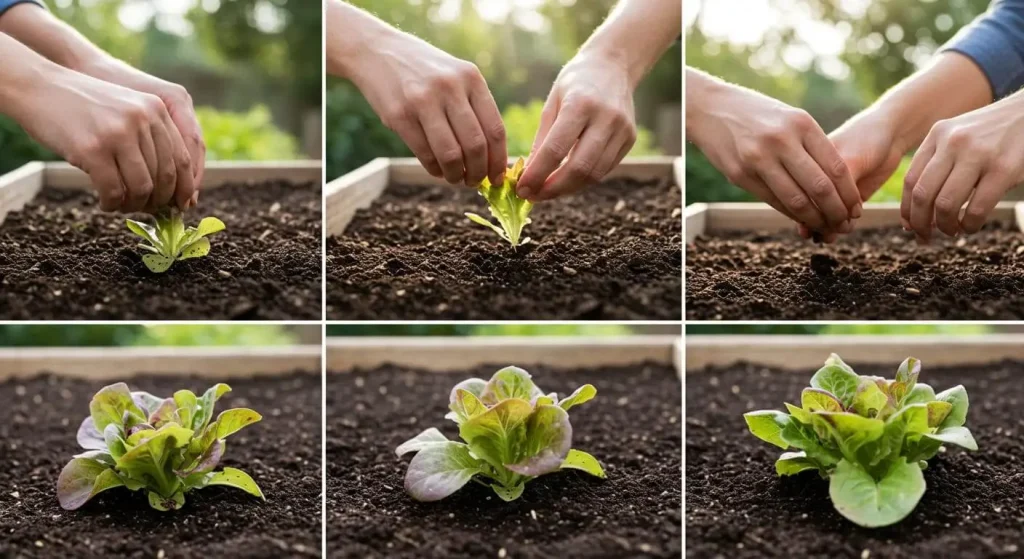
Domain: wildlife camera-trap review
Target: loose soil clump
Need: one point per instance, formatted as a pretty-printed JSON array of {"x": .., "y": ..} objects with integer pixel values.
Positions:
[
  {"x": 631, "y": 427},
  {"x": 873, "y": 274},
  {"x": 61, "y": 258},
  {"x": 612, "y": 252},
  {"x": 736, "y": 505}
]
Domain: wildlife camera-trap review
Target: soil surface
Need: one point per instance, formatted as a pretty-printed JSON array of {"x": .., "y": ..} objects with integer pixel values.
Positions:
[
  {"x": 61, "y": 258},
  {"x": 631, "y": 427},
  {"x": 38, "y": 421},
  {"x": 613, "y": 252},
  {"x": 737, "y": 507},
  {"x": 874, "y": 274}
]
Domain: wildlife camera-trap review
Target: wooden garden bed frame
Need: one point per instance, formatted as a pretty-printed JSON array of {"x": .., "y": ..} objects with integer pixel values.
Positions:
[
  {"x": 21, "y": 185},
  {"x": 445, "y": 354},
  {"x": 359, "y": 188},
  {"x": 111, "y": 363},
  {"x": 810, "y": 352},
  {"x": 756, "y": 216}
]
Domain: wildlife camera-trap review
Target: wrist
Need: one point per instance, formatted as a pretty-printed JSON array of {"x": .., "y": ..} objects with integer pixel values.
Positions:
[
  {"x": 23, "y": 84},
  {"x": 610, "y": 58},
  {"x": 699, "y": 88}
]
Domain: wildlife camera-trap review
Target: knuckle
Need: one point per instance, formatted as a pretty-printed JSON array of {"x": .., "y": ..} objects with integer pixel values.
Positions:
[
  {"x": 919, "y": 195},
  {"x": 450, "y": 157},
  {"x": 799, "y": 203},
  {"x": 734, "y": 173},
  {"x": 839, "y": 169},
  {"x": 476, "y": 145},
  {"x": 554, "y": 151},
  {"x": 945, "y": 205},
  {"x": 496, "y": 132},
  {"x": 799, "y": 120},
  {"x": 582, "y": 103},
  {"x": 167, "y": 176},
  {"x": 469, "y": 72},
  {"x": 975, "y": 214},
  {"x": 820, "y": 187}
]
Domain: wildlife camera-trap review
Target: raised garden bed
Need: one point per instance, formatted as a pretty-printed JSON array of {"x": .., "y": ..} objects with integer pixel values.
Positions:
[
  {"x": 746, "y": 262},
  {"x": 382, "y": 392},
  {"x": 400, "y": 248},
  {"x": 736, "y": 505},
  {"x": 64, "y": 259},
  {"x": 45, "y": 394}
]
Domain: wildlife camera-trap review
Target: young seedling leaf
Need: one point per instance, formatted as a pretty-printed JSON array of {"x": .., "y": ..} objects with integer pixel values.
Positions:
[
  {"x": 209, "y": 226},
  {"x": 440, "y": 469},
  {"x": 874, "y": 503},
  {"x": 157, "y": 263},
  {"x": 421, "y": 441},
  {"x": 174, "y": 502},
  {"x": 89, "y": 437},
  {"x": 229, "y": 422},
  {"x": 837, "y": 380},
  {"x": 232, "y": 477},
  {"x": 506, "y": 206},
  {"x": 767, "y": 425},
  {"x": 170, "y": 240},
  {"x": 579, "y": 460},
  {"x": 548, "y": 440},
  {"x": 509, "y": 494},
  {"x": 957, "y": 396},
  {"x": 960, "y": 436},
  {"x": 792, "y": 463},
  {"x": 582, "y": 394},
  {"x": 81, "y": 480},
  {"x": 197, "y": 249}
]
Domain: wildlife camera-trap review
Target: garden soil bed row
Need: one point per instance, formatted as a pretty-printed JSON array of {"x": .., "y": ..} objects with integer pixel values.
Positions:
[
  {"x": 61, "y": 258},
  {"x": 872, "y": 274},
  {"x": 39, "y": 417},
  {"x": 736, "y": 505},
  {"x": 631, "y": 427},
  {"x": 612, "y": 252}
]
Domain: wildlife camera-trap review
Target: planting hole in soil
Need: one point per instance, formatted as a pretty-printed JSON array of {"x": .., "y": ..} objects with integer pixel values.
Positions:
[
  {"x": 39, "y": 417},
  {"x": 64, "y": 259},
  {"x": 631, "y": 427},
  {"x": 871, "y": 274},
  {"x": 611, "y": 252},
  {"x": 737, "y": 506}
]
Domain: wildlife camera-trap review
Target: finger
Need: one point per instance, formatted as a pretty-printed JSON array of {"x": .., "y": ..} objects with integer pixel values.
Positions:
[
  {"x": 135, "y": 176},
  {"x": 166, "y": 175},
  {"x": 793, "y": 197},
  {"x": 148, "y": 147},
  {"x": 443, "y": 144},
  {"x": 759, "y": 189},
  {"x": 825, "y": 154},
  {"x": 580, "y": 169},
  {"x": 549, "y": 156},
  {"x": 107, "y": 181},
  {"x": 494, "y": 130},
  {"x": 471, "y": 140},
  {"x": 548, "y": 116},
  {"x": 953, "y": 195},
  {"x": 991, "y": 189},
  {"x": 917, "y": 165},
  {"x": 411, "y": 132},
  {"x": 817, "y": 185},
  {"x": 188, "y": 126},
  {"x": 922, "y": 197},
  {"x": 184, "y": 184}
]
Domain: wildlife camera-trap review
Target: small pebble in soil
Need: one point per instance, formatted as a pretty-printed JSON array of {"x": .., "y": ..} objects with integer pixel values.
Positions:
[
  {"x": 569, "y": 271},
  {"x": 502, "y": 553},
  {"x": 865, "y": 554},
  {"x": 913, "y": 291}
]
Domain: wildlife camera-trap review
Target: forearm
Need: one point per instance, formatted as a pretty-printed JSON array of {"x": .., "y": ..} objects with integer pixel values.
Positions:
[
  {"x": 916, "y": 104},
  {"x": 40, "y": 31},
  {"x": 352, "y": 34},
  {"x": 699, "y": 88},
  {"x": 20, "y": 76},
  {"x": 636, "y": 33}
]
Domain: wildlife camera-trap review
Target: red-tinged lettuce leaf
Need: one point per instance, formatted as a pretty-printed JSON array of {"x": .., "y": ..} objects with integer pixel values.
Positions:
[
  {"x": 206, "y": 462},
  {"x": 816, "y": 399},
  {"x": 89, "y": 437},
  {"x": 838, "y": 380},
  {"x": 508, "y": 383},
  {"x": 440, "y": 469},
  {"x": 187, "y": 403},
  {"x": 205, "y": 405},
  {"x": 111, "y": 404},
  {"x": 465, "y": 406},
  {"x": 419, "y": 442},
  {"x": 497, "y": 434},
  {"x": 957, "y": 396},
  {"x": 166, "y": 412},
  {"x": 146, "y": 402},
  {"x": 231, "y": 421},
  {"x": 151, "y": 454},
  {"x": 548, "y": 440},
  {"x": 81, "y": 480}
]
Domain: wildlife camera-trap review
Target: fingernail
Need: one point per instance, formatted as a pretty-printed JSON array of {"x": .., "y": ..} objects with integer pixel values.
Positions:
[
  {"x": 858, "y": 210},
  {"x": 524, "y": 193}
]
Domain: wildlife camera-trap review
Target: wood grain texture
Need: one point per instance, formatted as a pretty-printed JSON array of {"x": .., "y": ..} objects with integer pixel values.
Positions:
[
  {"x": 19, "y": 186},
  {"x": 63, "y": 175}
]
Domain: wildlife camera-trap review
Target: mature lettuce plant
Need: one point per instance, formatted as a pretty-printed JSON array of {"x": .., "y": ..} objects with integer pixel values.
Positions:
[
  {"x": 165, "y": 446},
  {"x": 169, "y": 240},
  {"x": 510, "y": 210},
  {"x": 869, "y": 436},
  {"x": 513, "y": 433}
]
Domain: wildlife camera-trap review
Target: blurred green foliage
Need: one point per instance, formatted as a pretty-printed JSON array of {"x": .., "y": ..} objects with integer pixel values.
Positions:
[
  {"x": 841, "y": 329},
  {"x": 885, "y": 41},
  {"x": 103, "y": 335},
  {"x": 523, "y": 121},
  {"x": 16, "y": 148},
  {"x": 479, "y": 330},
  {"x": 518, "y": 62},
  {"x": 244, "y": 136}
]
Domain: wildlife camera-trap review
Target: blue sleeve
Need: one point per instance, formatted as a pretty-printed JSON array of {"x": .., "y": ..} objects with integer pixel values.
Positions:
[
  {"x": 995, "y": 42},
  {"x": 8, "y": 4}
]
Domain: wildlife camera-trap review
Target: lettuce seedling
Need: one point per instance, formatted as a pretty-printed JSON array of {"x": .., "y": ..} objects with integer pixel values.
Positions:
[
  {"x": 513, "y": 433},
  {"x": 870, "y": 437},
  {"x": 166, "y": 447},
  {"x": 510, "y": 210},
  {"x": 170, "y": 240}
]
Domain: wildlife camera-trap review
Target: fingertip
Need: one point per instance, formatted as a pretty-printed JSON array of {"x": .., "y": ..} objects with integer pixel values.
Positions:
[{"x": 858, "y": 210}]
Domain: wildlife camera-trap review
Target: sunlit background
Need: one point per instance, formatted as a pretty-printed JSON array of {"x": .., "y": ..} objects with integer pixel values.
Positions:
[
  {"x": 253, "y": 68},
  {"x": 829, "y": 57},
  {"x": 171, "y": 335},
  {"x": 519, "y": 46}
]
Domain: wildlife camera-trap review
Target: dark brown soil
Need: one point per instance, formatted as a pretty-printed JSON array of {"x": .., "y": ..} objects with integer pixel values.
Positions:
[
  {"x": 613, "y": 252},
  {"x": 737, "y": 507},
  {"x": 63, "y": 259},
  {"x": 632, "y": 428},
  {"x": 874, "y": 274},
  {"x": 38, "y": 421}
]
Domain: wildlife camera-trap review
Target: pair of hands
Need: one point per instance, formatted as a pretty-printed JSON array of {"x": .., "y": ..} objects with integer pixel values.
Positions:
[
  {"x": 136, "y": 136},
  {"x": 779, "y": 154},
  {"x": 443, "y": 110}
]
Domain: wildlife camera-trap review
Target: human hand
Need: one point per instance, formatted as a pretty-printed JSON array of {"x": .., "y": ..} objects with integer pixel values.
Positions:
[
  {"x": 123, "y": 139},
  {"x": 972, "y": 159},
  {"x": 776, "y": 152},
  {"x": 175, "y": 98},
  {"x": 439, "y": 105},
  {"x": 588, "y": 116}
]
